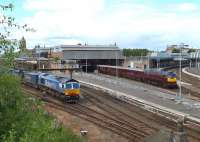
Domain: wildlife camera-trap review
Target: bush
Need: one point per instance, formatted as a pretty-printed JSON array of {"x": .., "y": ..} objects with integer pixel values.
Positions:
[{"x": 24, "y": 120}]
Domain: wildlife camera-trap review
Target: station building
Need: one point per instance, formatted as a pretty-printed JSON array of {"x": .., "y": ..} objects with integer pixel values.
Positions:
[{"x": 84, "y": 55}]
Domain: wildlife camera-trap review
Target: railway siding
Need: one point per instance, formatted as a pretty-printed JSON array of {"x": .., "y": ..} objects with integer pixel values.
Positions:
[
  {"x": 170, "y": 114},
  {"x": 132, "y": 133},
  {"x": 192, "y": 78},
  {"x": 184, "y": 70}
]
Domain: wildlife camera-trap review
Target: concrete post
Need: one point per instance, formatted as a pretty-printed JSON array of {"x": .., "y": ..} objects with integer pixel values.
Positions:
[{"x": 180, "y": 135}]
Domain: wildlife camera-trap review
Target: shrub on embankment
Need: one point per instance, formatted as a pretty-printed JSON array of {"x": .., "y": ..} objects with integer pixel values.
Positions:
[{"x": 23, "y": 119}]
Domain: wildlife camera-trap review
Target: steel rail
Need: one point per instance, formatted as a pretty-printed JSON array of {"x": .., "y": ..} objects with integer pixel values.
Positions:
[{"x": 170, "y": 114}]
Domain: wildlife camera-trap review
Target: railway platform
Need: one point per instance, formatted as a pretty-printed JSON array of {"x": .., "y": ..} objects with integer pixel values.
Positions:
[{"x": 146, "y": 92}]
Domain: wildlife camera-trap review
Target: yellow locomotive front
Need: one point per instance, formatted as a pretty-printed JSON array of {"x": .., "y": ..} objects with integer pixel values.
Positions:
[
  {"x": 72, "y": 90},
  {"x": 171, "y": 80}
]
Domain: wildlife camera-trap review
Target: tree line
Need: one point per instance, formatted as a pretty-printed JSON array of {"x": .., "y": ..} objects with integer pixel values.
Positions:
[
  {"x": 135, "y": 52},
  {"x": 177, "y": 50}
]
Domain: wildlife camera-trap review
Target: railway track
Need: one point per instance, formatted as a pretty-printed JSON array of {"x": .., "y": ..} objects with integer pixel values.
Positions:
[
  {"x": 100, "y": 119},
  {"x": 115, "y": 120},
  {"x": 192, "y": 80},
  {"x": 133, "y": 133},
  {"x": 132, "y": 115},
  {"x": 187, "y": 78},
  {"x": 153, "y": 119},
  {"x": 194, "y": 89},
  {"x": 115, "y": 112}
]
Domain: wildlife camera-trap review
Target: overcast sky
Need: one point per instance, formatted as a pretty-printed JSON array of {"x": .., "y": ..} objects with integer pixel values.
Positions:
[{"x": 148, "y": 24}]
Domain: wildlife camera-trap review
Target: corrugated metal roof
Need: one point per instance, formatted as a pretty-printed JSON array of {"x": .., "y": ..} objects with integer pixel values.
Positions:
[
  {"x": 92, "y": 54},
  {"x": 79, "y": 48},
  {"x": 88, "y": 47}
]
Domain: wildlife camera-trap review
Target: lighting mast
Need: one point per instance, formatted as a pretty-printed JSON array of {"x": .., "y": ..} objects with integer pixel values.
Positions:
[{"x": 180, "y": 68}]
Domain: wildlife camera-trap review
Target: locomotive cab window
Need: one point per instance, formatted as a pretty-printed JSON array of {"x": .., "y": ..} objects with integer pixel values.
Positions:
[
  {"x": 68, "y": 86},
  {"x": 42, "y": 80},
  {"x": 76, "y": 86}
]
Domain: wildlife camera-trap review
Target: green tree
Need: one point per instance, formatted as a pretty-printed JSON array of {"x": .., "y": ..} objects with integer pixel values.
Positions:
[
  {"x": 9, "y": 58},
  {"x": 23, "y": 119},
  {"x": 56, "y": 59},
  {"x": 176, "y": 50},
  {"x": 191, "y": 50},
  {"x": 8, "y": 46}
]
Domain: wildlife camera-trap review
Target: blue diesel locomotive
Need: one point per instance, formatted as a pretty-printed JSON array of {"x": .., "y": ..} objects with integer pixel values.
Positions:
[
  {"x": 69, "y": 88},
  {"x": 66, "y": 88}
]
